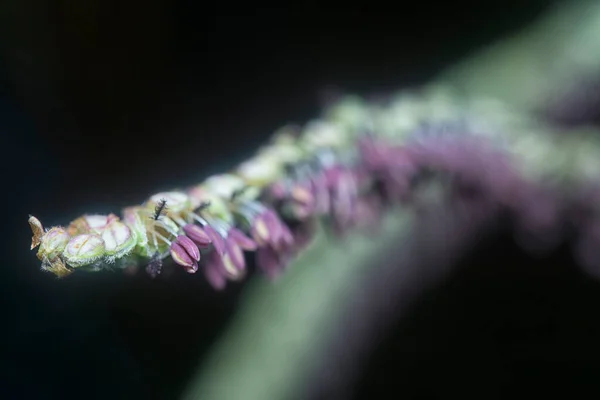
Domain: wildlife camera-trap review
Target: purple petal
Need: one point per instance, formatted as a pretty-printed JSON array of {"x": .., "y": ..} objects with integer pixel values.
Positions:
[
  {"x": 273, "y": 225},
  {"x": 236, "y": 254},
  {"x": 260, "y": 231},
  {"x": 302, "y": 194},
  {"x": 321, "y": 193},
  {"x": 193, "y": 269},
  {"x": 343, "y": 200},
  {"x": 189, "y": 247},
  {"x": 197, "y": 234},
  {"x": 287, "y": 238},
  {"x": 241, "y": 239},
  {"x": 217, "y": 240},
  {"x": 213, "y": 274},
  {"x": 332, "y": 176},
  {"x": 181, "y": 257}
]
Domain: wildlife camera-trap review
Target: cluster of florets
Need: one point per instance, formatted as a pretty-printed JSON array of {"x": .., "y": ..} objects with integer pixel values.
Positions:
[{"x": 343, "y": 170}]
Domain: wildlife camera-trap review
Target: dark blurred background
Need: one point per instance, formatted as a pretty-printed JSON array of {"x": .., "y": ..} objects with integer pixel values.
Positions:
[{"x": 103, "y": 102}]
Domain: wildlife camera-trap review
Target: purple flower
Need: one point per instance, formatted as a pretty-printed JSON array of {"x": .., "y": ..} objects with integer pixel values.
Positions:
[
  {"x": 185, "y": 253},
  {"x": 235, "y": 244},
  {"x": 320, "y": 192},
  {"x": 238, "y": 237},
  {"x": 228, "y": 262},
  {"x": 273, "y": 261},
  {"x": 213, "y": 271},
  {"x": 198, "y": 235},
  {"x": 216, "y": 239},
  {"x": 267, "y": 229},
  {"x": 301, "y": 198},
  {"x": 234, "y": 256},
  {"x": 218, "y": 268}
]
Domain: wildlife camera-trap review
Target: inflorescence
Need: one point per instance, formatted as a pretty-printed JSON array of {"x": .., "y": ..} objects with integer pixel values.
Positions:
[{"x": 344, "y": 169}]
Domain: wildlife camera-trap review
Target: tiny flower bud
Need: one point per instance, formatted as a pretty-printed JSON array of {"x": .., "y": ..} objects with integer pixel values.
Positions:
[
  {"x": 174, "y": 201},
  {"x": 197, "y": 234},
  {"x": 230, "y": 270},
  {"x": 90, "y": 224},
  {"x": 281, "y": 236},
  {"x": 302, "y": 194},
  {"x": 241, "y": 239},
  {"x": 84, "y": 249},
  {"x": 321, "y": 194},
  {"x": 214, "y": 273},
  {"x": 304, "y": 202},
  {"x": 260, "y": 231},
  {"x": 235, "y": 254},
  {"x": 53, "y": 243},
  {"x": 189, "y": 246},
  {"x": 96, "y": 222},
  {"x": 274, "y": 224},
  {"x": 286, "y": 237},
  {"x": 259, "y": 170},
  {"x": 216, "y": 238},
  {"x": 118, "y": 238},
  {"x": 182, "y": 257},
  {"x": 217, "y": 205},
  {"x": 224, "y": 185}
]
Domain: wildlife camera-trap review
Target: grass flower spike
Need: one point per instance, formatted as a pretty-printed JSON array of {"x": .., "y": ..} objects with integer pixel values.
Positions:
[{"x": 343, "y": 170}]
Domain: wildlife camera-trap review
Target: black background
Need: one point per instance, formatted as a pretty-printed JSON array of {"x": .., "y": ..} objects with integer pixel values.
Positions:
[{"x": 104, "y": 102}]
